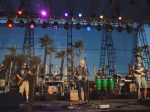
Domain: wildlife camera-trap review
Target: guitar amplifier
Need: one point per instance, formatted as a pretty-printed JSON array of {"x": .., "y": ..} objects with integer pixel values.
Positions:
[{"x": 74, "y": 95}]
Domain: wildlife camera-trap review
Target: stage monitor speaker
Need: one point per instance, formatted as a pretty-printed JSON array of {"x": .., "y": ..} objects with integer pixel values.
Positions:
[
  {"x": 74, "y": 95},
  {"x": 11, "y": 99}
]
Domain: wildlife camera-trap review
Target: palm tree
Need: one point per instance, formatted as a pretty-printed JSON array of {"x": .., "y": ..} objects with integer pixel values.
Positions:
[
  {"x": 51, "y": 51},
  {"x": 12, "y": 55},
  {"x": 61, "y": 55},
  {"x": 71, "y": 60},
  {"x": 79, "y": 45},
  {"x": 45, "y": 42},
  {"x": 12, "y": 50}
]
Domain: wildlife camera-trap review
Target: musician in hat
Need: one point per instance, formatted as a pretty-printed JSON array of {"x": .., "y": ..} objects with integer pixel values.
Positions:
[{"x": 140, "y": 75}]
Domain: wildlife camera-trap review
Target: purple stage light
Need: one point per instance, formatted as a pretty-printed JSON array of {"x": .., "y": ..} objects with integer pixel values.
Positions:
[
  {"x": 66, "y": 14},
  {"x": 43, "y": 13}
]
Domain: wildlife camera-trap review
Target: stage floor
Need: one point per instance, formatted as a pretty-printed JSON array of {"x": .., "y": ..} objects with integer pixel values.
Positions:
[{"x": 110, "y": 105}]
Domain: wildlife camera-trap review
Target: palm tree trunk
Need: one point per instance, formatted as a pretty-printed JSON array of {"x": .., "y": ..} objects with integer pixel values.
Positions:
[
  {"x": 50, "y": 67},
  {"x": 44, "y": 63},
  {"x": 72, "y": 63},
  {"x": 62, "y": 66}
]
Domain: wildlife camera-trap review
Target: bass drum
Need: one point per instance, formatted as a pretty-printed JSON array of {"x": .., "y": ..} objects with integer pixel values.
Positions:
[{"x": 52, "y": 89}]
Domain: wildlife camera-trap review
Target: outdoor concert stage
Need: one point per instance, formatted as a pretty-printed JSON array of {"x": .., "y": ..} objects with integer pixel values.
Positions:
[{"x": 111, "y": 105}]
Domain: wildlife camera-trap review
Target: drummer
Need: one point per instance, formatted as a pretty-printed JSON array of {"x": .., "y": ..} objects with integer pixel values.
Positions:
[{"x": 100, "y": 75}]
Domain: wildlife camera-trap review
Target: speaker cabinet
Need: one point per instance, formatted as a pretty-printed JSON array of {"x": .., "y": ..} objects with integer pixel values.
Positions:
[{"x": 74, "y": 95}]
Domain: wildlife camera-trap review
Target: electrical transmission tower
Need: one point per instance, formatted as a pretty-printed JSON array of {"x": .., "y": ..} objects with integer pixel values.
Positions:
[
  {"x": 141, "y": 47},
  {"x": 28, "y": 45},
  {"x": 107, "y": 59}
]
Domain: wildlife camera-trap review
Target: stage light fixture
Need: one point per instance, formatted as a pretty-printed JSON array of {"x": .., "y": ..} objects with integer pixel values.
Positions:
[
  {"x": 98, "y": 27},
  {"x": 129, "y": 29},
  {"x": 43, "y": 13},
  {"x": 66, "y": 14},
  {"x": 32, "y": 24},
  {"x": 45, "y": 24},
  {"x": 21, "y": 23},
  {"x": 55, "y": 25},
  {"x": 78, "y": 26},
  {"x": 66, "y": 26},
  {"x": 101, "y": 16},
  {"x": 119, "y": 28},
  {"x": 105, "y": 26},
  {"x": 110, "y": 28},
  {"x": 80, "y": 15},
  {"x": 10, "y": 23},
  {"x": 88, "y": 27},
  {"x": 20, "y": 12},
  {"x": 120, "y": 18}
]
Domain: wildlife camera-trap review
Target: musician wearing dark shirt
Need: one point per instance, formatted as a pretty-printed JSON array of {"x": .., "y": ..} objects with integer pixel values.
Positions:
[
  {"x": 23, "y": 81},
  {"x": 80, "y": 75}
]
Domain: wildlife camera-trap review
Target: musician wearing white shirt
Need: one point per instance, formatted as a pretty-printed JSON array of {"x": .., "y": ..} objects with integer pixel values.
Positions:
[{"x": 80, "y": 76}]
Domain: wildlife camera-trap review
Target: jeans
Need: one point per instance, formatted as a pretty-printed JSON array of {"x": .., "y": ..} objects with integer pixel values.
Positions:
[{"x": 84, "y": 85}]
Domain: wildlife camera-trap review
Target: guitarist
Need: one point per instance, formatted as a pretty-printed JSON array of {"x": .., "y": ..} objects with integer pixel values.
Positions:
[
  {"x": 23, "y": 81},
  {"x": 139, "y": 73},
  {"x": 80, "y": 76}
]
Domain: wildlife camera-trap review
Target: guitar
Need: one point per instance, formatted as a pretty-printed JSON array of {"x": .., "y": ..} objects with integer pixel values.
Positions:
[
  {"x": 21, "y": 79},
  {"x": 140, "y": 72},
  {"x": 80, "y": 77}
]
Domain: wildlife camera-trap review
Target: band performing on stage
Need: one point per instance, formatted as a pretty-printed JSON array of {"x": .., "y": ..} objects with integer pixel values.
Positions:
[{"x": 79, "y": 88}]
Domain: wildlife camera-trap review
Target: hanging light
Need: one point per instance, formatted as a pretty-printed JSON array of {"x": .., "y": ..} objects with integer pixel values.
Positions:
[
  {"x": 45, "y": 24},
  {"x": 98, "y": 27},
  {"x": 78, "y": 26},
  {"x": 66, "y": 26},
  {"x": 129, "y": 29},
  {"x": 32, "y": 24},
  {"x": 88, "y": 27},
  {"x": 119, "y": 28},
  {"x": 55, "y": 25},
  {"x": 10, "y": 24},
  {"x": 21, "y": 23},
  {"x": 19, "y": 12}
]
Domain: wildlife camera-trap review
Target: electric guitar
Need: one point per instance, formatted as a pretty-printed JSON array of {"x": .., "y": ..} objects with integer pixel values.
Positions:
[
  {"x": 81, "y": 77},
  {"x": 21, "y": 79},
  {"x": 140, "y": 72}
]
